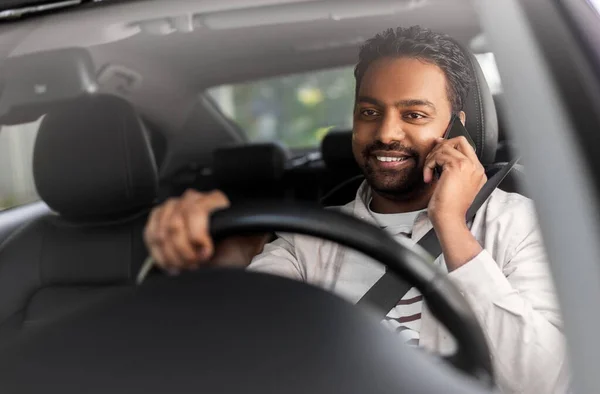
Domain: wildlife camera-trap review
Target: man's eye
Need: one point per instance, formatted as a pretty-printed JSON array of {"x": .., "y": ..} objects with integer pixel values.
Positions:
[
  {"x": 369, "y": 113},
  {"x": 414, "y": 116}
]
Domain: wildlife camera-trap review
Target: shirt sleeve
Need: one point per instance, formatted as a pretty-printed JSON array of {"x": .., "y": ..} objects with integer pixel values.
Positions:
[
  {"x": 516, "y": 305},
  {"x": 279, "y": 258}
]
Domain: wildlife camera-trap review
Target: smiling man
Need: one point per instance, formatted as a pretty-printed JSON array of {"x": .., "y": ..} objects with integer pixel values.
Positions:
[{"x": 410, "y": 83}]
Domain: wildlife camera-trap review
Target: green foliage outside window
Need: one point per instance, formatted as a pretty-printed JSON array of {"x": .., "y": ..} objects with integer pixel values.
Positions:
[{"x": 297, "y": 110}]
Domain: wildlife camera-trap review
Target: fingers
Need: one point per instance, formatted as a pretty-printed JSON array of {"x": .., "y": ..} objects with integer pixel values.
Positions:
[
  {"x": 455, "y": 152},
  {"x": 197, "y": 208},
  {"x": 185, "y": 255},
  {"x": 177, "y": 233},
  {"x": 151, "y": 235},
  {"x": 155, "y": 234},
  {"x": 166, "y": 232},
  {"x": 441, "y": 155},
  {"x": 462, "y": 145},
  {"x": 197, "y": 214},
  {"x": 465, "y": 148}
]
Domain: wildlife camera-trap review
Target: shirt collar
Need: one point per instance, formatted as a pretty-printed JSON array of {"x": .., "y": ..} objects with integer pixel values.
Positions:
[{"x": 364, "y": 194}]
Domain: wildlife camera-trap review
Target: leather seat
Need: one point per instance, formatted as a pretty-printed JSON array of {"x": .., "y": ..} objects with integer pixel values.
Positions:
[
  {"x": 94, "y": 167},
  {"x": 506, "y": 148},
  {"x": 481, "y": 123}
]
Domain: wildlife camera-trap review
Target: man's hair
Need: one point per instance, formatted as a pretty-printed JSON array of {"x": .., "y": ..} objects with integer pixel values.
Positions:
[{"x": 426, "y": 45}]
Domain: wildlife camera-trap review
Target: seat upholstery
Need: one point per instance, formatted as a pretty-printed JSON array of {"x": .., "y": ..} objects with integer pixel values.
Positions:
[
  {"x": 506, "y": 149},
  {"x": 482, "y": 119},
  {"x": 93, "y": 165}
]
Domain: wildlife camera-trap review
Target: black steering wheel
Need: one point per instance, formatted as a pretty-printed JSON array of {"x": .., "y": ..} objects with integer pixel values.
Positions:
[
  {"x": 224, "y": 330},
  {"x": 410, "y": 262}
]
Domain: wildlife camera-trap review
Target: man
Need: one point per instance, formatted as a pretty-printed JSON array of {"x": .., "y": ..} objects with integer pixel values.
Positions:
[{"x": 409, "y": 84}]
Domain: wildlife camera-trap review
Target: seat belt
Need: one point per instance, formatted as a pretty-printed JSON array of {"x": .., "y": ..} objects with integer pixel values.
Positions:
[{"x": 389, "y": 289}]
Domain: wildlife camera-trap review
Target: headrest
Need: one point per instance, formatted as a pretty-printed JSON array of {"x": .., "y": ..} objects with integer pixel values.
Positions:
[
  {"x": 482, "y": 124},
  {"x": 240, "y": 166},
  {"x": 336, "y": 151},
  {"x": 499, "y": 104},
  {"x": 482, "y": 121},
  {"x": 93, "y": 159}
]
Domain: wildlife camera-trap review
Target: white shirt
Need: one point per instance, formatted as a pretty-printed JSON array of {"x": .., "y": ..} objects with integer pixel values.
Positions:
[
  {"x": 405, "y": 317},
  {"x": 508, "y": 286}
]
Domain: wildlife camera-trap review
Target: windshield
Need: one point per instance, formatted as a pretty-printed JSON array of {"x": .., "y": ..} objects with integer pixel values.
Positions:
[{"x": 116, "y": 113}]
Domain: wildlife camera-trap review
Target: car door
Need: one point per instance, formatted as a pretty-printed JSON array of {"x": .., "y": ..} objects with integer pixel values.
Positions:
[{"x": 551, "y": 78}]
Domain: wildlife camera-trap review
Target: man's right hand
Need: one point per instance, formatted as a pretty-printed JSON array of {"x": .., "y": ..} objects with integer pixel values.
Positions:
[{"x": 178, "y": 238}]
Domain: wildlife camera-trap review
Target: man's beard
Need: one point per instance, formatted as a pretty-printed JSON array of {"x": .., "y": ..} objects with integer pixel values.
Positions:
[{"x": 397, "y": 184}]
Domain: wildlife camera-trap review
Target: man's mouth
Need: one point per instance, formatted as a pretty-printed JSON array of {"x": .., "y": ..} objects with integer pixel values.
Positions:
[{"x": 391, "y": 158}]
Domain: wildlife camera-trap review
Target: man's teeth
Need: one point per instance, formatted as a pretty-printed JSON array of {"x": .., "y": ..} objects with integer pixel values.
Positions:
[{"x": 387, "y": 158}]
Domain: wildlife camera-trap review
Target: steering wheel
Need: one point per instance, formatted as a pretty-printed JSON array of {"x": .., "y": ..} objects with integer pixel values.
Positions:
[
  {"x": 408, "y": 261},
  {"x": 223, "y": 329}
]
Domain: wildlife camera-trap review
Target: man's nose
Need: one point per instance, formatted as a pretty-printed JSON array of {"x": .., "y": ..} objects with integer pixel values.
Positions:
[{"x": 390, "y": 129}]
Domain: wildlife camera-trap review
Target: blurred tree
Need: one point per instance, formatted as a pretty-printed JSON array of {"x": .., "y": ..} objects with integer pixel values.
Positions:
[{"x": 297, "y": 110}]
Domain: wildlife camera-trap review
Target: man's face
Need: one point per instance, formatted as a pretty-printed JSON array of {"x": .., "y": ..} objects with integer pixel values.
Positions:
[{"x": 401, "y": 108}]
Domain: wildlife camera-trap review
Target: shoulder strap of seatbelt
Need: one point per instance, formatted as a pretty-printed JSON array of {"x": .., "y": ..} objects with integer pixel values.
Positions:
[{"x": 389, "y": 289}]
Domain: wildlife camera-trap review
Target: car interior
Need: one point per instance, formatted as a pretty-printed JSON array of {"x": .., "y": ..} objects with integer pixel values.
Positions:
[
  {"x": 130, "y": 115},
  {"x": 100, "y": 204}
]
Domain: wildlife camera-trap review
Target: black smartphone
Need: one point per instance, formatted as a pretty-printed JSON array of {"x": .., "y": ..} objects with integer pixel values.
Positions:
[{"x": 455, "y": 129}]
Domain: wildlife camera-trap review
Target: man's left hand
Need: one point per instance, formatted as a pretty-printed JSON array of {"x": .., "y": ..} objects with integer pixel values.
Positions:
[{"x": 461, "y": 179}]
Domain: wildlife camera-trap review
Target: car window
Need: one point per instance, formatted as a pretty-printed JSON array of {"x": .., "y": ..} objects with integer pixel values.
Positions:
[
  {"x": 296, "y": 109},
  {"x": 16, "y": 164},
  {"x": 487, "y": 61},
  {"x": 299, "y": 109}
]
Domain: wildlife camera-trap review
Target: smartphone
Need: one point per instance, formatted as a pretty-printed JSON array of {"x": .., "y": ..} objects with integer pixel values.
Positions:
[{"x": 456, "y": 129}]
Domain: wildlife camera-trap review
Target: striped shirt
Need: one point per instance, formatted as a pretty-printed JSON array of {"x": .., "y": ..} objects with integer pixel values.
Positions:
[{"x": 405, "y": 317}]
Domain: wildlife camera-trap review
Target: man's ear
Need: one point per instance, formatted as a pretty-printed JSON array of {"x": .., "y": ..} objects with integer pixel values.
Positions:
[{"x": 463, "y": 117}]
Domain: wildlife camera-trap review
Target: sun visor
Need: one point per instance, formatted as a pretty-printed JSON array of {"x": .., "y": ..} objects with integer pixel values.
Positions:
[{"x": 31, "y": 84}]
